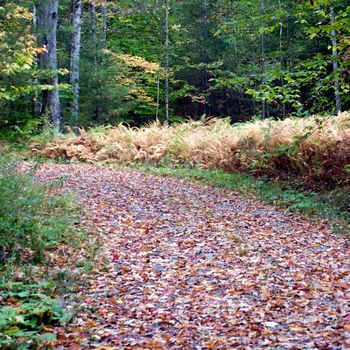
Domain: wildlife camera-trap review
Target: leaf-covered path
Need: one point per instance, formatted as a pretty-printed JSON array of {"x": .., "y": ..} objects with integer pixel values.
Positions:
[{"x": 196, "y": 267}]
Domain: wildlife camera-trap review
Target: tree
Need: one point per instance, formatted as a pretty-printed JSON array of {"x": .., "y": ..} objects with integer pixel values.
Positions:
[
  {"x": 48, "y": 15},
  {"x": 167, "y": 60},
  {"x": 262, "y": 58},
  {"x": 104, "y": 24},
  {"x": 17, "y": 51},
  {"x": 335, "y": 61},
  {"x": 186, "y": 58},
  {"x": 75, "y": 56}
]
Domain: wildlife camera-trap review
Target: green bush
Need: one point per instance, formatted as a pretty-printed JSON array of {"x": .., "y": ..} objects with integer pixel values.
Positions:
[{"x": 32, "y": 218}]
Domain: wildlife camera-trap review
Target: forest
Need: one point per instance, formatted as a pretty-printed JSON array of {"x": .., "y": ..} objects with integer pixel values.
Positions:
[
  {"x": 87, "y": 63},
  {"x": 174, "y": 174}
]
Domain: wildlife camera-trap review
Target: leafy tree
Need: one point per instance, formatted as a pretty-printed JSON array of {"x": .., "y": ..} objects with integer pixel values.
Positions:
[{"x": 17, "y": 50}]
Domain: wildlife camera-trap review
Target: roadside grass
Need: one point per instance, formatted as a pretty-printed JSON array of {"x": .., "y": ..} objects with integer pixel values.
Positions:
[
  {"x": 39, "y": 244},
  {"x": 32, "y": 219}
]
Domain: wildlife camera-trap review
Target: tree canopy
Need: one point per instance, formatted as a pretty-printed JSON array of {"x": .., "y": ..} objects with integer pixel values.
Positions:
[{"x": 107, "y": 61}]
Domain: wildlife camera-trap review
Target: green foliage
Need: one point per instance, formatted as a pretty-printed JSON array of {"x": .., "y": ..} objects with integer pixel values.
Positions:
[
  {"x": 298, "y": 66},
  {"x": 103, "y": 94},
  {"x": 17, "y": 48},
  {"x": 31, "y": 218},
  {"x": 216, "y": 60},
  {"x": 25, "y": 312}
]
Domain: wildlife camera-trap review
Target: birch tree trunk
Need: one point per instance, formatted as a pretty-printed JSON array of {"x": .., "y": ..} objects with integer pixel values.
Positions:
[
  {"x": 75, "y": 57},
  {"x": 48, "y": 60},
  {"x": 335, "y": 62},
  {"x": 167, "y": 61}
]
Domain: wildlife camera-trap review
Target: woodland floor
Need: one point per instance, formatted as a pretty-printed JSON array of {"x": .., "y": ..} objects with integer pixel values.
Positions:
[{"x": 197, "y": 267}]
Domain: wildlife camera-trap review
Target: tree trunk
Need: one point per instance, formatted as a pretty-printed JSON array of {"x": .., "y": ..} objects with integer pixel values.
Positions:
[
  {"x": 335, "y": 62},
  {"x": 160, "y": 62},
  {"x": 281, "y": 59},
  {"x": 94, "y": 28},
  {"x": 75, "y": 57},
  {"x": 205, "y": 58},
  {"x": 167, "y": 61},
  {"x": 262, "y": 58},
  {"x": 48, "y": 60},
  {"x": 37, "y": 104},
  {"x": 104, "y": 24}
]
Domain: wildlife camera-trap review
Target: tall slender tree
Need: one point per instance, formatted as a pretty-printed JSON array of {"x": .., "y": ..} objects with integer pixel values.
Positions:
[
  {"x": 48, "y": 60},
  {"x": 104, "y": 24},
  {"x": 280, "y": 23},
  {"x": 335, "y": 62},
  {"x": 94, "y": 27},
  {"x": 167, "y": 67},
  {"x": 37, "y": 103},
  {"x": 75, "y": 56},
  {"x": 262, "y": 58},
  {"x": 160, "y": 61}
]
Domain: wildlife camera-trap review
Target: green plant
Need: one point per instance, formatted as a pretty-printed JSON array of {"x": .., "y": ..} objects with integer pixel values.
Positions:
[
  {"x": 32, "y": 218},
  {"x": 25, "y": 314}
]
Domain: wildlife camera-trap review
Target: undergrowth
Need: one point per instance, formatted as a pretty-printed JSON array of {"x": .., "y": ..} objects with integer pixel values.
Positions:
[
  {"x": 38, "y": 240},
  {"x": 299, "y": 163},
  {"x": 314, "y": 150},
  {"x": 27, "y": 315},
  {"x": 31, "y": 219}
]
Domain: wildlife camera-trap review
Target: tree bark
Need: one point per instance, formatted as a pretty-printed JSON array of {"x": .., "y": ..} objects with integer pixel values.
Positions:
[
  {"x": 160, "y": 62},
  {"x": 167, "y": 61},
  {"x": 335, "y": 62},
  {"x": 104, "y": 24},
  {"x": 94, "y": 28},
  {"x": 205, "y": 57},
  {"x": 48, "y": 60},
  {"x": 75, "y": 56},
  {"x": 37, "y": 103},
  {"x": 281, "y": 59},
  {"x": 262, "y": 58}
]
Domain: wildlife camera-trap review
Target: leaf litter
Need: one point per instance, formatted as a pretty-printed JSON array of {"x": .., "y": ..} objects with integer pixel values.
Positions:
[{"x": 196, "y": 267}]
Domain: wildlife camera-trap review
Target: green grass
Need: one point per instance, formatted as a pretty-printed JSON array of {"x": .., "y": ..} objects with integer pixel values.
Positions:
[
  {"x": 333, "y": 206},
  {"x": 34, "y": 221}
]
